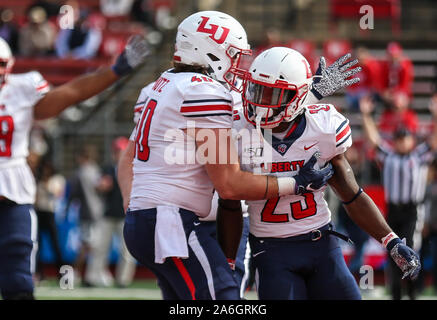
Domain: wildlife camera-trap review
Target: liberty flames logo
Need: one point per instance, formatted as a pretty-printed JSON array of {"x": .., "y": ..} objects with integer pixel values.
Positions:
[{"x": 282, "y": 148}]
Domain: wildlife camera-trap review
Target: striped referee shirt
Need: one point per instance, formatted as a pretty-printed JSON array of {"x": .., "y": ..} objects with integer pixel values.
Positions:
[{"x": 405, "y": 175}]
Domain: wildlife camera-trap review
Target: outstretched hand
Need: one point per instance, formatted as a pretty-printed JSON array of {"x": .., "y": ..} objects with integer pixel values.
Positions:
[
  {"x": 135, "y": 53},
  {"x": 328, "y": 80}
]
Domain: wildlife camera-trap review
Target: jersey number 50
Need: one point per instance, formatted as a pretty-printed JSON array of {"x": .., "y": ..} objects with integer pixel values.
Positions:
[
  {"x": 142, "y": 150},
  {"x": 297, "y": 210},
  {"x": 6, "y": 131}
]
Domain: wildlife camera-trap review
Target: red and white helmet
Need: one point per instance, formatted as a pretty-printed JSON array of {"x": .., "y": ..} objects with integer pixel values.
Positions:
[
  {"x": 277, "y": 82},
  {"x": 6, "y": 61},
  {"x": 213, "y": 40}
]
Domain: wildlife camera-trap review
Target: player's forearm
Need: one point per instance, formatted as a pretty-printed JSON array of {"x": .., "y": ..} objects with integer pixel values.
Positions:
[
  {"x": 229, "y": 226},
  {"x": 367, "y": 216},
  {"x": 359, "y": 205},
  {"x": 73, "y": 92},
  {"x": 232, "y": 183}
]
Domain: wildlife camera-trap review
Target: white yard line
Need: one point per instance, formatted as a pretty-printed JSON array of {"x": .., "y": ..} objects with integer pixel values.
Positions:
[{"x": 97, "y": 293}]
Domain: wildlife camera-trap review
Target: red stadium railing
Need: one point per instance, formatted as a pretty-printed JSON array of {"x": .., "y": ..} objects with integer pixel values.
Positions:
[{"x": 58, "y": 71}]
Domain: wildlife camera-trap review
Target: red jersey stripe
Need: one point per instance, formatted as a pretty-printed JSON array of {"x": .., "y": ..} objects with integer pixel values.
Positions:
[
  {"x": 186, "y": 276},
  {"x": 43, "y": 86},
  {"x": 343, "y": 133},
  {"x": 217, "y": 107},
  {"x": 138, "y": 109}
]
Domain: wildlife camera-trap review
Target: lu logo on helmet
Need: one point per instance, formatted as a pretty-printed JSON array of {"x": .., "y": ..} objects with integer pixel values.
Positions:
[{"x": 213, "y": 30}]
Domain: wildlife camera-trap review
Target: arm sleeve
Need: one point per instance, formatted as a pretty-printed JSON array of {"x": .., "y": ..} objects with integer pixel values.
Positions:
[
  {"x": 208, "y": 104},
  {"x": 37, "y": 88},
  {"x": 425, "y": 153},
  {"x": 342, "y": 131}
]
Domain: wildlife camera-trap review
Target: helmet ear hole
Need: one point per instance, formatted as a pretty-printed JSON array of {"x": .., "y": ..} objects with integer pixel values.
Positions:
[{"x": 213, "y": 57}]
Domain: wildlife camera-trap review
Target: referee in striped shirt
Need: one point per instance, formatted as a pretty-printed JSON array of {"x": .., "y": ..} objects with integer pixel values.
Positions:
[{"x": 404, "y": 174}]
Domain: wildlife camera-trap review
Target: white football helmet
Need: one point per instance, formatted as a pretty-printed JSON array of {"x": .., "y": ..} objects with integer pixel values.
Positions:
[
  {"x": 213, "y": 40},
  {"x": 277, "y": 82},
  {"x": 6, "y": 61}
]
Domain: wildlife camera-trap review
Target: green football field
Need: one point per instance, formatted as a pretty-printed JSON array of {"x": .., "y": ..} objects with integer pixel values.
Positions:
[{"x": 148, "y": 290}]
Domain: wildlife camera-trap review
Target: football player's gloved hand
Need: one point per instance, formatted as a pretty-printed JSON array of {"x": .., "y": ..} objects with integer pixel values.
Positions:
[
  {"x": 310, "y": 179},
  {"x": 406, "y": 259},
  {"x": 328, "y": 80},
  {"x": 135, "y": 52}
]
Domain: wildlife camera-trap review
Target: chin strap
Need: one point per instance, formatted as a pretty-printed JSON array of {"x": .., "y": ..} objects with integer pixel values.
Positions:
[{"x": 258, "y": 129}]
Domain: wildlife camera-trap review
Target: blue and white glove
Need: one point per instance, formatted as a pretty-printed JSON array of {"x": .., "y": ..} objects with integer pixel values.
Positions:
[
  {"x": 328, "y": 80},
  {"x": 405, "y": 258},
  {"x": 310, "y": 179},
  {"x": 135, "y": 53}
]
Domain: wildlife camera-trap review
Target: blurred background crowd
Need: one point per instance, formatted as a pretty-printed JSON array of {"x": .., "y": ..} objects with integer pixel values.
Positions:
[{"x": 74, "y": 158}]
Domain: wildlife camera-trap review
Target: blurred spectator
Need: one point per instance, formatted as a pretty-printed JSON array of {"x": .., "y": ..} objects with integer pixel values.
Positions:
[
  {"x": 404, "y": 169},
  {"x": 396, "y": 72},
  {"x": 357, "y": 235},
  {"x": 142, "y": 11},
  {"x": 369, "y": 79},
  {"x": 111, "y": 224},
  {"x": 116, "y": 8},
  {"x": 8, "y": 29},
  {"x": 398, "y": 114},
  {"x": 207, "y": 5},
  {"x": 50, "y": 187},
  {"x": 83, "y": 189},
  {"x": 37, "y": 36},
  {"x": 50, "y": 7},
  {"x": 81, "y": 42}
]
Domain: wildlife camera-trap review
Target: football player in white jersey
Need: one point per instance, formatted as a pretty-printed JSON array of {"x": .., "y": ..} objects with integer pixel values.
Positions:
[
  {"x": 294, "y": 247},
  {"x": 241, "y": 262},
  {"x": 175, "y": 175},
  {"x": 23, "y": 98}
]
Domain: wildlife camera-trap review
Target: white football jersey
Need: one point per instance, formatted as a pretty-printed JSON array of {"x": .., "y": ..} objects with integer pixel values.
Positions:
[
  {"x": 237, "y": 107},
  {"x": 322, "y": 129},
  {"x": 17, "y": 98},
  {"x": 166, "y": 170}
]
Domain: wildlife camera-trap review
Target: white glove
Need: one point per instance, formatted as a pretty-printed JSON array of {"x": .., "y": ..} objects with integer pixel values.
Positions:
[
  {"x": 328, "y": 80},
  {"x": 135, "y": 53}
]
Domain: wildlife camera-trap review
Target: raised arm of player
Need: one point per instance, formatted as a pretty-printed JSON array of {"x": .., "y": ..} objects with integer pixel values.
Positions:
[
  {"x": 125, "y": 173},
  {"x": 363, "y": 211},
  {"x": 86, "y": 86}
]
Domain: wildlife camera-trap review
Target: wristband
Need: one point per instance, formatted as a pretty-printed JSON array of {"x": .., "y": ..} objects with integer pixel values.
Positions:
[
  {"x": 388, "y": 238},
  {"x": 354, "y": 197},
  {"x": 286, "y": 186},
  {"x": 231, "y": 263}
]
